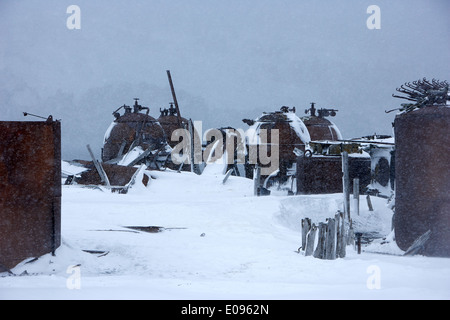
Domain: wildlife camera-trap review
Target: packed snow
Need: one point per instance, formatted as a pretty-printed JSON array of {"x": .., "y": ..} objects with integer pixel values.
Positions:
[{"x": 217, "y": 241}]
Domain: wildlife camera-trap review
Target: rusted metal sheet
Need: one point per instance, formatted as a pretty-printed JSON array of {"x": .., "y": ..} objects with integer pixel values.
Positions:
[
  {"x": 30, "y": 190},
  {"x": 323, "y": 174},
  {"x": 422, "y": 173},
  {"x": 117, "y": 175}
]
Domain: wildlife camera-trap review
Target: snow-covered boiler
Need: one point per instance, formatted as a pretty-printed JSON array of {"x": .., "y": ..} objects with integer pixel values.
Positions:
[
  {"x": 319, "y": 127},
  {"x": 292, "y": 137},
  {"x": 132, "y": 133}
]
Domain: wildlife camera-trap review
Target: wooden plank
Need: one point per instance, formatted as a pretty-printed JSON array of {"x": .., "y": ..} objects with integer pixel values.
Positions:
[
  {"x": 418, "y": 245},
  {"x": 133, "y": 179},
  {"x": 341, "y": 252},
  {"x": 256, "y": 180},
  {"x": 320, "y": 249},
  {"x": 311, "y": 237},
  {"x": 330, "y": 245},
  {"x": 369, "y": 203},
  {"x": 228, "y": 174},
  {"x": 306, "y": 227},
  {"x": 99, "y": 167}
]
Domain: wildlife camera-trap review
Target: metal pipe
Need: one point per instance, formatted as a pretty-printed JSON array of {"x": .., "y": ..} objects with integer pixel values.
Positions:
[{"x": 175, "y": 101}]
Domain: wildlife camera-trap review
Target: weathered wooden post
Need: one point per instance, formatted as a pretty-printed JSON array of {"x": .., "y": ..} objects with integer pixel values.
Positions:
[
  {"x": 310, "y": 241},
  {"x": 330, "y": 247},
  {"x": 320, "y": 249},
  {"x": 358, "y": 236},
  {"x": 356, "y": 194},
  {"x": 306, "y": 226},
  {"x": 341, "y": 236},
  {"x": 346, "y": 184},
  {"x": 369, "y": 203},
  {"x": 99, "y": 168},
  {"x": 256, "y": 180}
]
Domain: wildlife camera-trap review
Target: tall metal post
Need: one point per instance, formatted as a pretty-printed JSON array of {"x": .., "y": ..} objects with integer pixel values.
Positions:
[
  {"x": 356, "y": 194},
  {"x": 346, "y": 184}
]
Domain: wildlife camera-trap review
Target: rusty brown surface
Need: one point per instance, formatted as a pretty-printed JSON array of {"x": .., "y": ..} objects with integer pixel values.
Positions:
[
  {"x": 117, "y": 175},
  {"x": 128, "y": 128},
  {"x": 320, "y": 129},
  {"x": 323, "y": 174},
  {"x": 170, "y": 124},
  {"x": 30, "y": 190},
  {"x": 422, "y": 177},
  {"x": 288, "y": 138}
]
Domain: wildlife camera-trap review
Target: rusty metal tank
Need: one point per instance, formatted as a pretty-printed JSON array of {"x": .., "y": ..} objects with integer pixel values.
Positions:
[
  {"x": 30, "y": 189},
  {"x": 292, "y": 132},
  {"x": 292, "y": 137},
  {"x": 320, "y": 128},
  {"x": 130, "y": 130},
  {"x": 422, "y": 173}
]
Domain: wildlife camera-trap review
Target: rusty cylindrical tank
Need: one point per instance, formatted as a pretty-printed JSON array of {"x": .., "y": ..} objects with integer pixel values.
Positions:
[
  {"x": 422, "y": 173},
  {"x": 30, "y": 190},
  {"x": 130, "y": 130}
]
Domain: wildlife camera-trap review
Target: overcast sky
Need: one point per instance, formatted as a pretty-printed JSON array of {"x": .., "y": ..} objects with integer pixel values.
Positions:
[{"x": 229, "y": 60}]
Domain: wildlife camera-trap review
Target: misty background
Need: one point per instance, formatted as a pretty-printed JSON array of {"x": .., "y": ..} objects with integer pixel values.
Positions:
[{"x": 229, "y": 60}]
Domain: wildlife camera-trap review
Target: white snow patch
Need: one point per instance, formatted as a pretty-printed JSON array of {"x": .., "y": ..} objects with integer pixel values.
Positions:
[
  {"x": 68, "y": 169},
  {"x": 130, "y": 156},
  {"x": 299, "y": 127}
]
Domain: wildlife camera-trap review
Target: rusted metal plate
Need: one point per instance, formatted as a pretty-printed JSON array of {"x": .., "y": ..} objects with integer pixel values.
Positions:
[
  {"x": 422, "y": 174},
  {"x": 323, "y": 174},
  {"x": 30, "y": 190},
  {"x": 117, "y": 175}
]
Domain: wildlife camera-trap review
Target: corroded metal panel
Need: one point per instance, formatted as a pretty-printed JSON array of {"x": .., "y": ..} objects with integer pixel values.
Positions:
[
  {"x": 422, "y": 174},
  {"x": 323, "y": 174},
  {"x": 30, "y": 190}
]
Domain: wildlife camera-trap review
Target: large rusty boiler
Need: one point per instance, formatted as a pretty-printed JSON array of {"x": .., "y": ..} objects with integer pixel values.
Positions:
[
  {"x": 319, "y": 170},
  {"x": 292, "y": 137},
  {"x": 320, "y": 128},
  {"x": 135, "y": 137},
  {"x": 422, "y": 178}
]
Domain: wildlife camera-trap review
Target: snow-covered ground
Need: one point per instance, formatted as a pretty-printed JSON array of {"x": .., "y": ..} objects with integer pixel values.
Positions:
[{"x": 219, "y": 242}]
